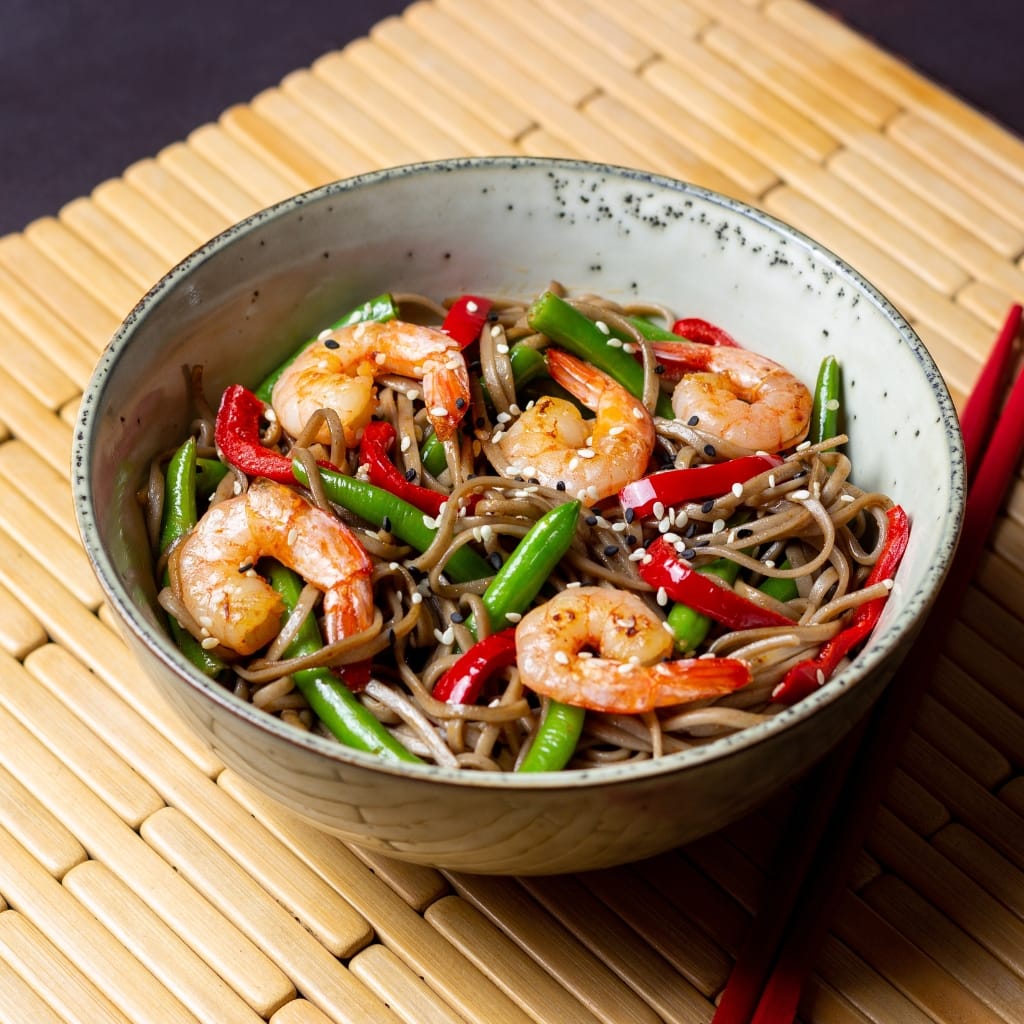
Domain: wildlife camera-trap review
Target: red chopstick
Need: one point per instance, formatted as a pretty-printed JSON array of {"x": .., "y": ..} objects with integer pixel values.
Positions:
[{"x": 846, "y": 789}]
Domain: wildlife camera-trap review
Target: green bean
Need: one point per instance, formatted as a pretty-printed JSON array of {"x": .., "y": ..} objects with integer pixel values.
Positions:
[
  {"x": 690, "y": 627},
  {"x": 520, "y": 579},
  {"x": 555, "y": 739},
  {"x": 578, "y": 334},
  {"x": 179, "y": 516},
  {"x": 386, "y": 511},
  {"x": 342, "y": 713},
  {"x": 825, "y": 410}
]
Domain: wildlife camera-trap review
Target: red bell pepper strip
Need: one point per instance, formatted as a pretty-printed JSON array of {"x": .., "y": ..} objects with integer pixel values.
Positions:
[
  {"x": 807, "y": 676},
  {"x": 681, "y": 582},
  {"x": 462, "y": 683},
  {"x": 237, "y": 435},
  {"x": 378, "y": 437},
  {"x": 704, "y": 333},
  {"x": 674, "y": 486},
  {"x": 466, "y": 318}
]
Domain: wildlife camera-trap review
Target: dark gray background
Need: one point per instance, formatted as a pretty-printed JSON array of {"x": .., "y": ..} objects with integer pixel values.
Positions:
[{"x": 87, "y": 88}]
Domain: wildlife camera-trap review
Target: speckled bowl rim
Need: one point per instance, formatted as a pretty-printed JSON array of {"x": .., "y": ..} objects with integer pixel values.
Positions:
[{"x": 917, "y": 602}]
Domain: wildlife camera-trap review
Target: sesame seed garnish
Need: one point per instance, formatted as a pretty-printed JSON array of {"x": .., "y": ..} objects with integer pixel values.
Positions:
[
  {"x": 379, "y": 358},
  {"x": 496, "y": 331},
  {"x": 514, "y": 616},
  {"x": 501, "y": 348},
  {"x": 471, "y": 306},
  {"x": 573, "y": 463},
  {"x": 411, "y": 474},
  {"x": 664, "y": 525},
  {"x": 771, "y": 479},
  {"x": 592, "y": 493},
  {"x": 847, "y": 497},
  {"x": 619, "y": 527},
  {"x": 394, "y": 566},
  {"x": 628, "y": 347},
  {"x": 495, "y": 559},
  {"x": 615, "y": 431},
  {"x": 638, "y": 413},
  {"x": 662, "y": 596},
  {"x": 208, "y": 643},
  {"x": 413, "y": 394},
  {"x": 573, "y": 585},
  {"x": 416, "y": 597},
  {"x": 718, "y": 526},
  {"x": 293, "y": 536},
  {"x": 707, "y": 506},
  {"x": 638, "y": 555},
  {"x": 769, "y": 563},
  {"x": 496, "y": 437},
  {"x": 611, "y": 549},
  {"x": 614, "y": 343},
  {"x": 820, "y": 676},
  {"x": 658, "y": 510},
  {"x": 737, "y": 490},
  {"x": 561, "y": 657},
  {"x": 693, "y": 421},
  {"x": 800, "y": 495},
  {"x": 514, "y": 409},
  {"x": 803, "y": 446},
  {"x": 832, "y": 404},
  {"x": 709, "y": 451},
  {"x": 324, "y": 334},
  {"x": 406, "y": 443},
  {"x": 269, "y": 415},
  {"x": 429, "y": 522},
  {"x": 438, "y": 410},
  {"x": 602, "y": 327},
  {"x": 586, "y": 453}
]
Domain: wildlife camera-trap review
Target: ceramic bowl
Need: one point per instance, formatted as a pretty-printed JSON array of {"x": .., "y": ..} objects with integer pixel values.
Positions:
[{"x": 508, "y": 226}]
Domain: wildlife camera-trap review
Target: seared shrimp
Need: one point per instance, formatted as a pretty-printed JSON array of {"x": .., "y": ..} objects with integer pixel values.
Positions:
[
  {"x": 739, "y": 395},
  {"x": 231, "y": 602},
  {"x": 338, "y": 371},
  {"x": 604, "y": 649},
  {"x": 595, "y": 458}
]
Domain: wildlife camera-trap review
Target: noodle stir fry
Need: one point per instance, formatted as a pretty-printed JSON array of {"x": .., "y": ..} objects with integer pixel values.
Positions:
[{"x": 520, "y": 535}]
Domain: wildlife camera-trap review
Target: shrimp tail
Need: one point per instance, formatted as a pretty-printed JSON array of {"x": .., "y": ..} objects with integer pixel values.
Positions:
[{"x": 446, "y": 394}]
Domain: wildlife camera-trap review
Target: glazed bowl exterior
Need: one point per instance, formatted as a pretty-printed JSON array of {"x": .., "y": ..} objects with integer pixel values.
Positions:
[{"x": 508, "y": 226}]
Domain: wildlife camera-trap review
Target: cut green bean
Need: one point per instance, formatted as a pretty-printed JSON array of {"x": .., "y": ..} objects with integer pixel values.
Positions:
[
  {"x": 386, "y": 511},
  {"x": 380, "y": 308},
  {"x": 179, "y": 516},
  {"x": 555, "y": 740},
  {"x": 826, "y": 407},
  {"x": 342, "y": 713},
  {"x": 578, "y": 334}
]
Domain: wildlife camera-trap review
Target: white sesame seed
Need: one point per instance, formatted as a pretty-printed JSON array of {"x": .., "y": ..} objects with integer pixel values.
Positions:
[
  {"x": 513, "y": 616},
  {"x": 293, "y": 536},
  {"x": 496, "y": 331},
  {"x": 624, "y": 668},
  {"x": 429, "y": 522},
  {"x": 270, "y": 415},
  {"x": 820, "y": 676},
  {"x": 664, "y": 525},
  {"x": 487, "y": 532},
  {"x": 406, "y": 443},
  {"x": 322, "y": 364},
  {"x": 497, "y": 436},
  {"x": 413, "y": 394},
  {"x": 438, "y": 410},
  {"x": 647, "y": 559},
  {"x": 561, "y": 657},
  {"x": 416, "y": 597},
  {"x": 586, "y": 453},
  {"x": 205, "y": 621},
  {"x": 208, "y": 643},
  {"x": 769, "y": 563},
  {"x": 771, "y": 479},
  {"x": 628, "y": 347},
  {"x": 615, "y": 431},
  {"x": 573, "y": 585},
  {"x": 394, "y": 566},
  {"x": 832, "y": 404},
  {"x": 638, "y": 414},
  {"x": 737, "y": 489},
  {"x": 602, "y": 327},
  {"x": 662, "y": 597},
  {"x": 514, "y": 409},
  {"x": 502, "y": 348},
  {"x": 847, "y": 497},
  {"x": 888, "y": 584},
  {"x": 718, "y": 526},
  {"x": 803, "y": 446},
  {"x": 324, "y": 334},
  {"x": 658, "y": 510},
  {"x": 800, "y": 495},
  {"x": 665, "y": 625},
  {"x": 380, "y": 359},
  {"x": 619, "y": 527},
  {"x": 528, "y": 471},
  {"x": 636, "y": 556},
  {"x": 573, "y": 463},
  {"x": 592, "y": 493},
  {"x": 236, "y": 487},
  {"x": 503, "y": 417},
  {"x": 673, "y": 538},
  {"x": 471, "y": 306}
]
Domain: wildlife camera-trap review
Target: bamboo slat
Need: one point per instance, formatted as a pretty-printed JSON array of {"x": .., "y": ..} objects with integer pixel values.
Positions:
[{"x": 142, "y": 880}]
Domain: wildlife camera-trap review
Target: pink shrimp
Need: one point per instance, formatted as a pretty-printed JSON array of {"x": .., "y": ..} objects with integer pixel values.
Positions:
[
  {"x": 594, "y": 458},
  {"x": 602, "y": 648},
  {"x": 739, "y": 395},
  {"x": 337, "y": 371},
  {"x": 231, "y": 602}
]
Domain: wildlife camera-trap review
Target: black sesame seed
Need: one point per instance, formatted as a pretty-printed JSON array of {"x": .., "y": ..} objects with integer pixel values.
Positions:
[
  {"x": 629, "y": 515},
  {"x": 495, "y": 559},
  {"x": 560, "y": 485},
  {"x": 591, "y": 520},
  {"x": 689, "y": 554},
  {"x": 701, "y": 542},
  {"x": 707, "y": 506},
  {"x": 611, "y": 549},
  {"x": 410, "y": 475},
  {"x": 631, "y": 541},
  {"x": 245, "y": 566},
  {"x": 385, "y": 524},
  {"x": 457, "y": 617},
  {"x": 709, "y": 451},
  {"x": 460, "y": 402},
  {"x": 331, "y": 343},
  {"x": 392, "y": 637},
  {"x": 690, "y": 531},
  {"x": 744, "y": 532},
  {"x": 658, "y": 368},
  {"x": 693, "y": 421}
]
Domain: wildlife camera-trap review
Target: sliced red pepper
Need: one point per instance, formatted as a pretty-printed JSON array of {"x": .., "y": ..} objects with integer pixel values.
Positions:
[
  {"x": 661, "y": 568},
  {"x": 237, "y": 435},
  {"x": 807, "y": 676},
  {"x": 703, "y": 332},
  {"x": 674, "y": 486},
  {"x": 466, "y": 318},
  {"x": 378, "y": 437},
  {"x": 462, "y": 683}
]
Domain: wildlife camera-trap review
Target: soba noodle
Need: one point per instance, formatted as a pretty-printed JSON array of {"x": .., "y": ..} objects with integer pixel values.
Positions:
[{"x": 803, "y": 520}]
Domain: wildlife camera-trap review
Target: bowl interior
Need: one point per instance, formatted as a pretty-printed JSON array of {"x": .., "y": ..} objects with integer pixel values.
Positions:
[{"x": 508, "y": 227}]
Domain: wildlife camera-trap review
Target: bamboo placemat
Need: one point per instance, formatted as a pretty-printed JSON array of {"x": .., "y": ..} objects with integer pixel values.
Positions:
[{"x": 141, "y": 881}]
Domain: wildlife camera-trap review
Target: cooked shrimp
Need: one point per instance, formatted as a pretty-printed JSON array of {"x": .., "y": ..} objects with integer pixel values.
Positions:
[
  {"x": 551, "y": 442},
  {"x": 231, "y": 602},
  {"x": 739, "y": 395},
  {"x": 338, "y": 371},
  {"x": 602, "y": 648}
]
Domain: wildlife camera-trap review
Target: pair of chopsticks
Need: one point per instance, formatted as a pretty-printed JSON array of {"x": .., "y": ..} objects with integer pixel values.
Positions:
[{"x": 839, "y": 800}]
